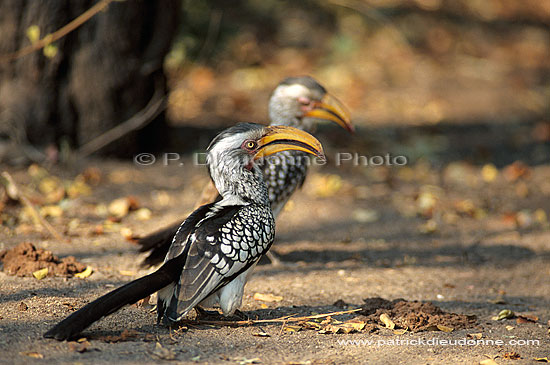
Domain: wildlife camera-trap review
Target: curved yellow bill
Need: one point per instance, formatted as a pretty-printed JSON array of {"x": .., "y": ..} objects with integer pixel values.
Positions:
[
  {"x": 283, "y": 138},
  {"x": 330, "y": 108}
]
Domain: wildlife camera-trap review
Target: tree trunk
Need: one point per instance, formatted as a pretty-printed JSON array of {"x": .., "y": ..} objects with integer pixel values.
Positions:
[{"x": 103, "y": 73}]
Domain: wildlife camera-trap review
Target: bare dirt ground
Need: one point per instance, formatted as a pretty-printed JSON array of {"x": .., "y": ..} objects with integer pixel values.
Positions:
[{"x": 470, "y": 239}]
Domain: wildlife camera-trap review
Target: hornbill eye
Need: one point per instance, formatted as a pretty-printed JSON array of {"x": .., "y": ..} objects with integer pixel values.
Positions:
[{"x": 250, "y": 145}]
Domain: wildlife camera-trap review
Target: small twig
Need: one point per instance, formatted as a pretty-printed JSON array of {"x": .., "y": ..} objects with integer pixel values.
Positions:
[
  {"x": 139, "y": 120},
  {"x": 26, "y": 202},
  {"x": 284, "y": 319},
  {"x": 60, "y": 33},
  {"x": 282, "y": 327}
]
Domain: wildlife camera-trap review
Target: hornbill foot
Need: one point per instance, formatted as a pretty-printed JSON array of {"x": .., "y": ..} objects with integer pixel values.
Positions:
[
  {"x": 203, "y": 314},
  {"x": 206, "y": 314},
  {"x": 240, "y": 315}
]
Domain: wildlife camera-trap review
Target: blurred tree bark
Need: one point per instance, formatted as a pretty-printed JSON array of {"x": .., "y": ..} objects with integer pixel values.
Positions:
[{"x": 103, "y": 73}]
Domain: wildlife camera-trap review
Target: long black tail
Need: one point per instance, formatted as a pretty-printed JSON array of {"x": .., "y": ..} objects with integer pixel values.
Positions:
[
  {"x": 158, "y": 243},
  {"x": 113, "y": 301}
]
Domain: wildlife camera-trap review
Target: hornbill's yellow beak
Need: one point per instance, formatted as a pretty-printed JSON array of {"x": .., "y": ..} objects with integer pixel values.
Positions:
[
  {"x": 330, "y": 108},
  {"x": 283, "y": 138}
]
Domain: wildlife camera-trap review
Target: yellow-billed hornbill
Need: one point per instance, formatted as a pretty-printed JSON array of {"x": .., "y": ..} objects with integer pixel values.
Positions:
[
  {"x": 300, "y": 102},
  {"x": 215, "y": 250}
]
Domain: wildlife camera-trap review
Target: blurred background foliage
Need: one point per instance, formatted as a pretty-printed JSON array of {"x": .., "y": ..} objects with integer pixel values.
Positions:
[{"x": 392, "y": 62}]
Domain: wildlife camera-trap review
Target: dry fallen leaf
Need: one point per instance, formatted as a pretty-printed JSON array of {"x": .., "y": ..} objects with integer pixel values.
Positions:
[
  {"x": 101, "y": 210},
  {"x": 526, "y": 318},
  {"x": 23, "y": 306},
  {"x": 127, "y": 233},
  {"x": 40, "y": 274},
  {"x": 400, "y": 331},
  {"x": 465, "y": 206},
  {"x": 124, "y": 336},
  {"x": 444, "y": 328},
  {"x": 541, "y": 359},
  {"x": 119, "y": 207},
  {"x": 511, "y": 355},
  {"x": 427, "y": 201},
  {"x": 50, "y": 185},
  {"x": 163, "y": 353},
  {"x": 476, "y": 336},
  {"x": 356, "y": 325},
  {"x": 33, "y": 354},
  {"x": 516, "y": 170},
  {"x": 341, "y": 327},
  {"x": 84, "y": 274},
  {"x": 292, "y": 328},
  {"x": 162, "y": 198},
  {"x": 311, "y": 325},
  {"x": 267, "y": 297},
  {"x": 51, "y": 211},
  {"x": 504, "y": 314},
  {"x": 540, "y": 216},
  {"x": 80, "y": 346},
  {"x": 489, "y": 173},
  {"x": 387, "y": 321},
  {"x": 261, "y": 334},
  {"x": 143, "y": 214},
  {"x": 488, "y": 362},
  {"x": 78, "y": 188},
  {"x": 37, "y": 172},
  {"x": 92, "y": 175}
]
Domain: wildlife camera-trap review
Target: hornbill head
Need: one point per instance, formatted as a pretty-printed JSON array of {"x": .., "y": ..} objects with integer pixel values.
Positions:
[
  {"x": 233, "y": 156},
  {"x": 301, "y": 102}
]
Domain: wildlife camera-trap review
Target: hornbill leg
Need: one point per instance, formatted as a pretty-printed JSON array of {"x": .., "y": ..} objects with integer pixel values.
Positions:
[{"x": 275, "y": 261}]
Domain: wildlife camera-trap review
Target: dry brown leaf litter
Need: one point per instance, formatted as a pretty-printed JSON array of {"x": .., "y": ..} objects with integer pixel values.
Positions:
[{"x": 414, "y": 316}]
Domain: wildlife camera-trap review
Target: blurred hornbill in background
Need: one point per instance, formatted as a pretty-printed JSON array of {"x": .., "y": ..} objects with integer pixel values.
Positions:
[
  {"x": 214, "y": 251},
  {"x": 300, "y": 102}
]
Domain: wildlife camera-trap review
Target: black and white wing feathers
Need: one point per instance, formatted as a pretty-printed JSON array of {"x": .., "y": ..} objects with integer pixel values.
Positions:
[{"x": 224, "y": 243}]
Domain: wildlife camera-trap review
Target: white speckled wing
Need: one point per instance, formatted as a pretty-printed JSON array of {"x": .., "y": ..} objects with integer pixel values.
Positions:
[{"x": 224, "y": 244}]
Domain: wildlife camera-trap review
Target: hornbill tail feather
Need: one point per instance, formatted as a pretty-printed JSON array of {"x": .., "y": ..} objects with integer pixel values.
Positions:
[{"x": 110, "y": 303}]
